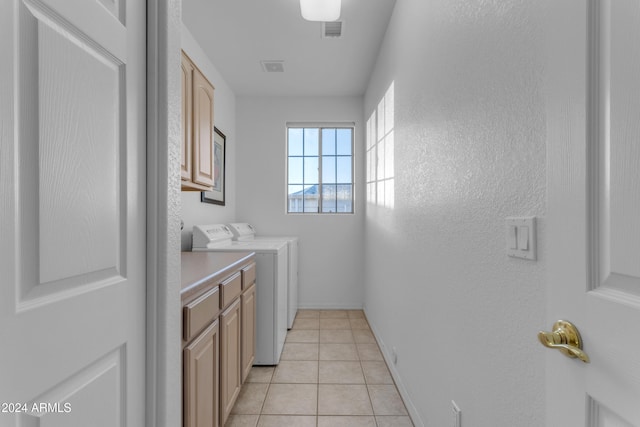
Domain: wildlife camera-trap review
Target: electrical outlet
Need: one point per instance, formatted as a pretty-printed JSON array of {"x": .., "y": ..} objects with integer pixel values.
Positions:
[
  {"x": 394, "y": 355},
  {"x": 457, "y": 415}
]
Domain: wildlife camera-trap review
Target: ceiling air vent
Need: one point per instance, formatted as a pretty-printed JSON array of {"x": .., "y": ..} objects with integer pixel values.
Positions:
[
  {"x": 332, "y": 30},
  {"x": 275, "y": 66}
]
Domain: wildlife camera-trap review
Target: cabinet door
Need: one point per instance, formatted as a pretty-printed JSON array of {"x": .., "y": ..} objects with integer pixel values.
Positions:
[
  {"x": 187, "y": 118},
  {"x": 200, "y": 379},
  {"x": 203, "y": 166},
  {"x": 230, "y": 369},
  {"x": 248, "y": 330}
]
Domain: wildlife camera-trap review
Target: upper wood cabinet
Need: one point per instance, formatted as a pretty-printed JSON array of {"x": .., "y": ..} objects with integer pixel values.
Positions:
[
  {"x": 187, "y": 117},
  {"x": 197, "y": 167}
]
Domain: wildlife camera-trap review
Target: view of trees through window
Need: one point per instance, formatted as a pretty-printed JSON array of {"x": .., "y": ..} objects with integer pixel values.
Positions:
[{"x": 320, "y": 169}]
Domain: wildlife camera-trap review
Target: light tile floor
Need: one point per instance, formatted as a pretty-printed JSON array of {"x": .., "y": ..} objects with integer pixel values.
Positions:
[{"x": 331, "y": 374}]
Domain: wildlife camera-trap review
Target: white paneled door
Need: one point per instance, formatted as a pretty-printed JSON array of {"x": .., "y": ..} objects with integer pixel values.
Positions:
[
  {"x": 594, "y": 210},
  {"x": 72, "y": 211}
]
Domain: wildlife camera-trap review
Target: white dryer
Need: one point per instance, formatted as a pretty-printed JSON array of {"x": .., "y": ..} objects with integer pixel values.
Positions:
[
  {"x": 271, "y": 285},
  {"x": 244, "y": 232}
]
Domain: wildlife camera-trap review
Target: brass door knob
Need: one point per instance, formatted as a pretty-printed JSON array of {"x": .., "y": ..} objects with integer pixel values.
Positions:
[{"x": 566, "y": 338}]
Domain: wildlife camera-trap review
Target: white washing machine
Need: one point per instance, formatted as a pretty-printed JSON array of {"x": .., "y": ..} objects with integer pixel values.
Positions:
[
  {"x": 244, "y": 232},
  {"x": 271, "y": 285}
]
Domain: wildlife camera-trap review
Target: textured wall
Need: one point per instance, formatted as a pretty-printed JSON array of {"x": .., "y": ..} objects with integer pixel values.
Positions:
[
  {"x": 331, "y": 256},
  {"x": 469, "y": 151},
  {"x": 194, "y": 212}
]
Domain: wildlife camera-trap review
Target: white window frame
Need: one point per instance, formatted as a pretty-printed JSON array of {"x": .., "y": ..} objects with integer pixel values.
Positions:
[
  {"x": 380, "y": 174},
  {"x": 320, "y": 126}
]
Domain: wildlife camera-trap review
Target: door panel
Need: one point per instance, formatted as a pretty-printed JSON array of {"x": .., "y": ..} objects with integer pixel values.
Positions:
[
  {"x": 116, "y": 7},
  {"x": 72, "y": 203},
  {"x": 600, "y": 416},
  {"x": 613, "y": 305},
  {"x": 593, "y": 205},
  {"x": 89, "y": 394},
  {"x": 186, "y": 70},
  {"x": 203, "y": 130},
  {"x": 230, "y": 363},
  {"x": 248, "y": 330},
  {"x": 201, "y": 379},
  {"x": 615, "y": 187},
  {"x": 74, "y": 96}
]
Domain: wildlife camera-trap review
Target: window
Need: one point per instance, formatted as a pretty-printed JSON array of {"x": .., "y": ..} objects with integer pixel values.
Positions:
[
  {"x": 320, "y": 169},
  {"x": 380, "y": 150}
]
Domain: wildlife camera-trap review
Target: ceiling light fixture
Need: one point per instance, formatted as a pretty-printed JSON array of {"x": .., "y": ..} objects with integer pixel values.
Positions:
[{"x": 320, "y": 10}]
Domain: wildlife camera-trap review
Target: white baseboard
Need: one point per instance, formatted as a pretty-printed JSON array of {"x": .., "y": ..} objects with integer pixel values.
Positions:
[{"x": 413, "y": 412}]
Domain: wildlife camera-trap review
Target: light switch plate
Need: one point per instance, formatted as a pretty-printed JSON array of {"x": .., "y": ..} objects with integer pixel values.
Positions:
[{"x": 526, "y": 245}]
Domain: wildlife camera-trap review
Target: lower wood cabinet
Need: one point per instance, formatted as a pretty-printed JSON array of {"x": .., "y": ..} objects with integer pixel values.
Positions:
[
  {"x": 201, "y": 379},
  {"x": 230, "y": 364},
  {"x": 219, "y": 343},
  {"x": 248, "y": 330}
]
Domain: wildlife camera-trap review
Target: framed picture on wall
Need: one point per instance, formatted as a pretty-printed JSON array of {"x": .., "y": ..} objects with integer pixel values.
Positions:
[{"x": 216, "y": 196}]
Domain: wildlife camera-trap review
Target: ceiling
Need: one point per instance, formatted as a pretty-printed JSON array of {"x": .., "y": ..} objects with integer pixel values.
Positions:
[{"x": 238, "y": 34}]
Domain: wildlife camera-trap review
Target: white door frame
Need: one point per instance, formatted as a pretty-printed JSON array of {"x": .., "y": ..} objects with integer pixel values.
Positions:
[
  {"x": 592, "y": 110},
  {"x": 164, "y": 384}
]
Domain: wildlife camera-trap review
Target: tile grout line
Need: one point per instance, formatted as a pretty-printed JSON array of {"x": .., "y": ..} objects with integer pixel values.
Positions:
[
  {"x": 318, "y": 385},
  {"x": 373, "y": 414},
  {"x": 375, "y": 419},
  {"x": 318, "y": 360},
  {"x": 318, "y": 378}
]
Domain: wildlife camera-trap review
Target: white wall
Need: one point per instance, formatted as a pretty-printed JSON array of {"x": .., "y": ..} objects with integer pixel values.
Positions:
[
  {"x": 194, "y": 212},
  {"x": 331, "y": 258},
  {"x": 469, "y": 151}
]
